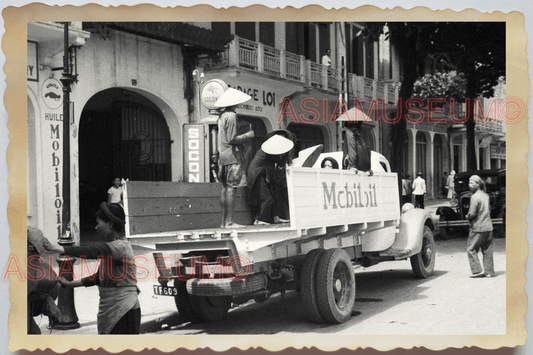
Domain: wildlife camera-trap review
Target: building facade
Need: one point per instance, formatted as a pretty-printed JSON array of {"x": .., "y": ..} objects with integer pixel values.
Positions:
[{"x": 140, "y": 85}]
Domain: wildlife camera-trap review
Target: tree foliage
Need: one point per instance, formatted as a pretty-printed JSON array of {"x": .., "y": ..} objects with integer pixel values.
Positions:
[
  {"x": 441, "y": 85},
  {"x": 473, "y": 49}
]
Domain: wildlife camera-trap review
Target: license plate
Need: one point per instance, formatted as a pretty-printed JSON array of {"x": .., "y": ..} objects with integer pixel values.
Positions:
[{"x": 165, "y": 290}]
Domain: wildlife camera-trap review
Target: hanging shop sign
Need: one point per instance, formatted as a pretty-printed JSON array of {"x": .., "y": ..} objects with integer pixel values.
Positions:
[
  {"x": 32, "y": 65},
  {"x": 52, "y": 92},
  {"x": 211, "y": 91}
]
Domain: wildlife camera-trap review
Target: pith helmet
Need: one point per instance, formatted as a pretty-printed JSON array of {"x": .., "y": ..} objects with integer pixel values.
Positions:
[
  {"x": 232, "y": 97},
  {"x": 276, "y": 145}
]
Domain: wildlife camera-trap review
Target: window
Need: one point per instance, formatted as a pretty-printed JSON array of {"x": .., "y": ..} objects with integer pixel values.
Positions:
[
  {"x": 301, "y": 39},
  {"x": 266, "y": 33},
  {"x": 222, "y": 28},
  {"x": 369, "y": 58},
  {"x": 245, "y": 30}
]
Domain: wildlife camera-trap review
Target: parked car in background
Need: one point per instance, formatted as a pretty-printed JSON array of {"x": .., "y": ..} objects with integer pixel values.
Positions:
[{"x": 452, "y": 221}]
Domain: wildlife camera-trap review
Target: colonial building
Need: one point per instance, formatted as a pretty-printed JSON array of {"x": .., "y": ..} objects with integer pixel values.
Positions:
[
  {"x": 138, "y": 87},
  {"x": 129, "y": 100}
]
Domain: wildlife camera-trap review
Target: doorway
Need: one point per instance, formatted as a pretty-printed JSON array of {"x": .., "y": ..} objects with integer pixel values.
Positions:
[{"x": 124, "y": 135}]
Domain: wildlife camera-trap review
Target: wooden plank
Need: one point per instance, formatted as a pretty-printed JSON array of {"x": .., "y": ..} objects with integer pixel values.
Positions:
[
  {"x": 168, "y": 223},
  {"x": 180, "y": 205},
  {"x": 155, "y": 189}
]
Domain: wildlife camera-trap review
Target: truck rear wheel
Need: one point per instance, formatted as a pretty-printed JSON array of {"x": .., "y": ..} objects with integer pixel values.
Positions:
[
  {"x": 308, "y": 284},
  {"x": 423, "y": 263},
  {"x": 210, "y": 309},
  {"x": 183, "y": 302},
  {"x": 335, "y": 286}
]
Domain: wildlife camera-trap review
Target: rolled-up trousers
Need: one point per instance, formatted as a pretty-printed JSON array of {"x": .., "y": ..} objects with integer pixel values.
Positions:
[{"x": 480, "y": 241}]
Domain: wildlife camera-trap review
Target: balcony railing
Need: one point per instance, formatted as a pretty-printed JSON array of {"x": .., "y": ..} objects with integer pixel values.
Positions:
[
  {"x": 243, "y": 53},
  {"x": 293, "y": 66}
]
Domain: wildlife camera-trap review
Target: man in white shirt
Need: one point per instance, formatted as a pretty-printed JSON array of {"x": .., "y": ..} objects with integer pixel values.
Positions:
[
  {"x": 326, "y": 60},
  {"x": 419, "y": 190}
]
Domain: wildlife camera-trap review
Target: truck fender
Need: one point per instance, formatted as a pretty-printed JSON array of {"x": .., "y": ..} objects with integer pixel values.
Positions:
[{"x": 408, "y": 241}]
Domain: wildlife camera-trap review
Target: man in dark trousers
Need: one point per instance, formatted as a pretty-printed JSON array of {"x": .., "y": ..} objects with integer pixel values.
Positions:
[
  {"x": 419, "y": 190},
  {"x": 480, "y": 235}
]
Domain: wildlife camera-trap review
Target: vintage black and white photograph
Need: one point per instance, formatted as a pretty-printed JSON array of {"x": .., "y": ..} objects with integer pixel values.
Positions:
[{"x": 294, "y": 178}]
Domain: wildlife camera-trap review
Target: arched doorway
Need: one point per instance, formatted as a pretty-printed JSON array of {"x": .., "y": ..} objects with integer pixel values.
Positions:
[
  {"x": 438, "y": 166},
  {"x": 421, "y": 145},
  {"x": 122, "y": 134}
]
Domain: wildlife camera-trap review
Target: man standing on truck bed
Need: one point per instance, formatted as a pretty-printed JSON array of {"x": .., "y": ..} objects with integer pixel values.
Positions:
[
  {"x": 480, "y": 235},
  {"x": 231, "y": 159}
]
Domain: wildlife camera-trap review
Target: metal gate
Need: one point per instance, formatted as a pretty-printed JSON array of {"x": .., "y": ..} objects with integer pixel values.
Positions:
[{"x": 141, "y": 143}]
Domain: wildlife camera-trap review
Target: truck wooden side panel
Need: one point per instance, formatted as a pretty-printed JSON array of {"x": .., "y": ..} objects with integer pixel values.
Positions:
[
  {"x": 164, "y": 206},
  {"x": 329, "y": 197}
]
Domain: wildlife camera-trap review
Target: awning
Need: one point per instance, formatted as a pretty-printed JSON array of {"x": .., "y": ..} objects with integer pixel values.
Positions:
[{"x": 171, "y": 32}]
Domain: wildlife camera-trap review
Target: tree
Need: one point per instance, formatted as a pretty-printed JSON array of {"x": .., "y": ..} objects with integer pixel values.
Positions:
[
  {"x": 476, "y": 49},
  {"x": 411, "y": 40}
]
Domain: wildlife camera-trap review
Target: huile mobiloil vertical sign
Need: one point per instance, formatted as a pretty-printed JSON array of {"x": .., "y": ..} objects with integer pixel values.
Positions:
[{"x": 52, "y": 95}]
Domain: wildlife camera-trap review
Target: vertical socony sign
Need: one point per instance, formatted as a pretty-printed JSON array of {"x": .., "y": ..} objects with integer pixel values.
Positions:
[{"x": 194, "y": 153}]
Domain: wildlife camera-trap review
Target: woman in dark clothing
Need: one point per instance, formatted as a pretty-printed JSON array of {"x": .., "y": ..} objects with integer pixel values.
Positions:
[
  {"x": 265, "y": 180},
  {"x": 119, "y": 309}
]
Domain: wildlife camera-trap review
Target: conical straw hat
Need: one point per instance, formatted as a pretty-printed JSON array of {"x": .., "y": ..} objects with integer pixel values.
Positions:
[
  {"x": 354, "y": 115},
  {"x": 277, "y": 145},
  {"x": 232, "y": 97}
]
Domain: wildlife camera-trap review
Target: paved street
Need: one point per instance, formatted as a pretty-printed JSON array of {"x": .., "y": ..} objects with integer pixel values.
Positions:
[{"x": 390, "y": 300}]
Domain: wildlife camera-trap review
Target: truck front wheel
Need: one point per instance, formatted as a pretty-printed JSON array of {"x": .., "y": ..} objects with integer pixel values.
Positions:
[
  {"x": 335, "y": 286},
  {"x": 423, "y": 263}
]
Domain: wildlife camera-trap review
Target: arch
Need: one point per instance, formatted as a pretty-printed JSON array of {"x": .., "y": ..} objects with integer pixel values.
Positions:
[
  {"x": 439, "y": 165},
  {"x": 34, "y": 164},
  {"x": 122, "y": 133},
  {"x": 421, "y": 153}
]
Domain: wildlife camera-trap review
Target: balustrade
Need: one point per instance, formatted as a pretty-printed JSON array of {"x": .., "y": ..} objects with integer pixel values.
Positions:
[{"x": 256, "y": 56}]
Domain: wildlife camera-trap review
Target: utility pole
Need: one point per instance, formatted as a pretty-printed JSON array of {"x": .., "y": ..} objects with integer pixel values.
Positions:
[{"x": 66, "y": 295}]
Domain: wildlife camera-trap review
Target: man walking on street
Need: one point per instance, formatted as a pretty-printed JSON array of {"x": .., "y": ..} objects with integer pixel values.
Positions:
[
  {"x": 480, "y": 235},
  {"x": 419, "y": 190}
]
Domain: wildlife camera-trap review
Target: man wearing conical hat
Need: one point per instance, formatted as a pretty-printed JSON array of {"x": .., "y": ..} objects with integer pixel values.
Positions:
[
  {"x": 265, "y": 195},
  {"x": 231, "y": 159},
  {"x": 480, "y": 235}
]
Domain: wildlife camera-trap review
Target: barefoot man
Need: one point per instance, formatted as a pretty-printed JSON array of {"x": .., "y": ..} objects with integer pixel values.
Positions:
[{"x": 231, "y": 154}]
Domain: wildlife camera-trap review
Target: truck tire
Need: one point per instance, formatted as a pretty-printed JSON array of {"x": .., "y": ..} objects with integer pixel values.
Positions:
[
  {"x": 210, "y": 309},
  {"x": 423, "y": 263},
  {"x": 335, "y": 284},
  {"x": 308, "y": 285},
  {"x": 183, "y": 302}
]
